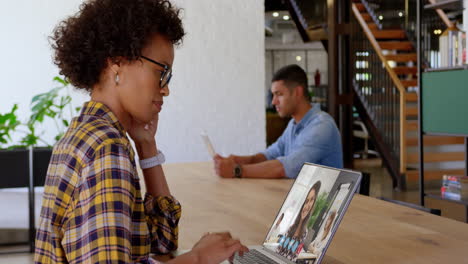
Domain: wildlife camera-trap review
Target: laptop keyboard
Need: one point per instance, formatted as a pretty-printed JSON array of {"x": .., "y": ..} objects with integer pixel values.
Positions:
[{"x": 253, "y": 257}]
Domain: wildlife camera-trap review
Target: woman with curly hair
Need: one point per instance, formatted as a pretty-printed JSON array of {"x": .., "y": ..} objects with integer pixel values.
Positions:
[{"x": 121, "y": 52}]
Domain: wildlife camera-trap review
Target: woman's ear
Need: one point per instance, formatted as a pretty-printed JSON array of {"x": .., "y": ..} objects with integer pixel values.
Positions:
[{"x": 114, "y": 65}]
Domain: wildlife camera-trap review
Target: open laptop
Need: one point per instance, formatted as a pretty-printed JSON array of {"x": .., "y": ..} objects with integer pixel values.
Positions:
[{"x": 308, "y": 218}]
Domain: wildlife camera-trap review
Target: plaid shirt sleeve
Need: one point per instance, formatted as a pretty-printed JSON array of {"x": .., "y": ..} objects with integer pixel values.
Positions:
[
  {"x": 100, "y": 229},
  {"x": 163, "y": 214}
]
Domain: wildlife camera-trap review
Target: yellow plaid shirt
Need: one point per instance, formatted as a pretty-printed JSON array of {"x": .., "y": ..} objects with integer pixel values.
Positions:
[{"x": 93, "y": 210}]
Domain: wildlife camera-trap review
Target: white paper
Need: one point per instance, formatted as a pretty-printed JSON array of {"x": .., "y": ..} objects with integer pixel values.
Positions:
[{"x": 208, "y": 144}]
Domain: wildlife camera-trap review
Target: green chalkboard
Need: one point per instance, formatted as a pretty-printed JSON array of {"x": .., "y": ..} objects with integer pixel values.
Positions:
[{"x": 445, "y": 102}]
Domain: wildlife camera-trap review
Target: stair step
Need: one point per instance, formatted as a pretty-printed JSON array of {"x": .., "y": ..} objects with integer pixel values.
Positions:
[
  {"x": 360, "y": 7},
  {"x": 402, "y": 57},
  {"x": 379, "y": 98},
  {"x": 366, "y": 17},
  {"x": 372, "y": 26},
  {"x": 435, "y": 141},
  {"x": 396, "y": 45},
  {"x": 409, "y": 83},
  {"x": 412, "y": 125},
  {"x": 411, "y": 111},
  {"x": 389, "y": 34},
  {"x": 400, "y": 70},
  {"x": 411, "y": 97},
  {"x": 413, "y": 175},
  {"x": 436, "y": 157}
]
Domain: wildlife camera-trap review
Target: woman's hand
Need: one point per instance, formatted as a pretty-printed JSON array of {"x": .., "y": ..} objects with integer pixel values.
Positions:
[
  {"x": 144, "y": 137},
  {"x": 214, "y": 248},
  {"x": 141, "y": 132}
]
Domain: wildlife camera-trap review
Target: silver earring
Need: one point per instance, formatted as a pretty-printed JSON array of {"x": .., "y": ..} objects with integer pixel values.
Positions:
[{"x": 117, "y": 78}]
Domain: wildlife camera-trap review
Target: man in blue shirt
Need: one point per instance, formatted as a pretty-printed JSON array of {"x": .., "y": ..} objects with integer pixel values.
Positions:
[{"x": 311, "y": 135}]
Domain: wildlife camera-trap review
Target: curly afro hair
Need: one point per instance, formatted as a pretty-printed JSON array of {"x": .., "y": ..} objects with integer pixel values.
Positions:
[{"x": 107, "y": 29}]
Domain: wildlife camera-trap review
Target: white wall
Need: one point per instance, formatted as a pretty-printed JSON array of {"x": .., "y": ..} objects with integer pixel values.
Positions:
[{"x": 218, "y": 82}]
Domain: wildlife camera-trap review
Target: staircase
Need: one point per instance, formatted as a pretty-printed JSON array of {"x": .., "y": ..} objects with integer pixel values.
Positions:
[{"x": 397, "y": 54}]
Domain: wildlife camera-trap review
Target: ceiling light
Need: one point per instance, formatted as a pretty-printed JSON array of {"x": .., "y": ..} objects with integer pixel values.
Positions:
[
  {"x": 298, "y": 58},
  {"x": 275, "y": 14},
  {"x": 400, "y": 14},
  {"x": 380, "y": 17},
  {"x": 286, "y": 17}
]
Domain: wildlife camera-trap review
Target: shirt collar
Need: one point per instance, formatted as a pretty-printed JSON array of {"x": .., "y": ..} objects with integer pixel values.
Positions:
[
  {"x": 97, "y": 109},
  {"x": 308, "y": 116}
]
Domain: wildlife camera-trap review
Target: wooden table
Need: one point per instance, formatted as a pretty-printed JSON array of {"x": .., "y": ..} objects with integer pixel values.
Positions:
[{"x": 372, "y": 231}]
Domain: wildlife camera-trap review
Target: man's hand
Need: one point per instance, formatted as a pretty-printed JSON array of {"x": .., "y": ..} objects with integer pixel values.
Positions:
[
  {"x": 224, "y": 167},
  {"x": 217, "y": 247}
]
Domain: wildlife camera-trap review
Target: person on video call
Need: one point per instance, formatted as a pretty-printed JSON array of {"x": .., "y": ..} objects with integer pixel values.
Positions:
[
  {"x": 311, "y": 135},
  {"x": 317, "y": 246},
  {"x": 122, "y": 52},
  {"x": 294, "y": 237}
]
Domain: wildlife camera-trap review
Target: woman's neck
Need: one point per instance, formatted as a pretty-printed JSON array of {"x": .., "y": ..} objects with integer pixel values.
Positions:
[{"x": 114, "y": 105}]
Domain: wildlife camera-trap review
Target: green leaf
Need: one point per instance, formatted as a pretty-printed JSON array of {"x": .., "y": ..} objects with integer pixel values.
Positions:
[
  {"x": 320, "y": 204},
  {"x": 65, "y": 100},
  {"x": 44, "y": 105},
  {"x": 51, "y": 114},
  {"x": 60, "y": 80},
  {"x": 36, "y": 98},
  {"x": 59, "y": 136},
  {"x": 30, "y": 140}
]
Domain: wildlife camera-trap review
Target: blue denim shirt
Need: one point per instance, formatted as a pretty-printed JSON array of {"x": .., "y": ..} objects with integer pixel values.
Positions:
[{"x": 314, "y": 139}]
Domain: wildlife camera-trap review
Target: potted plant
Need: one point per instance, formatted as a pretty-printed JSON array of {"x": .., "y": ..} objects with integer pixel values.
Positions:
[{"x": 14, "y": 157}]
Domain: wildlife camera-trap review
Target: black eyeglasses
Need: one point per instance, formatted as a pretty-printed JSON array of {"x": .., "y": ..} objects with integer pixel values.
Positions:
[{"x": 166, "y": 74}]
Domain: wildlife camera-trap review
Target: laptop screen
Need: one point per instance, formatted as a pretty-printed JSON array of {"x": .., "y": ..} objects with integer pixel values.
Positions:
[{"x": 311, "y": 213}]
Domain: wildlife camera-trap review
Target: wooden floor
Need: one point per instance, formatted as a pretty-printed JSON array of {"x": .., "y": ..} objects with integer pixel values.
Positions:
[{"x": 381, "y": 186}]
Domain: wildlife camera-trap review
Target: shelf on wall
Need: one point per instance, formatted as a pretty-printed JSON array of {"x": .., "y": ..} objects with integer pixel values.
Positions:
[
  {"x": 443, "y": 134},
  {"x": 439, "y": 196},
  {"x": 446, "y": 4},
  {"x": 463, "y": 67}
]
